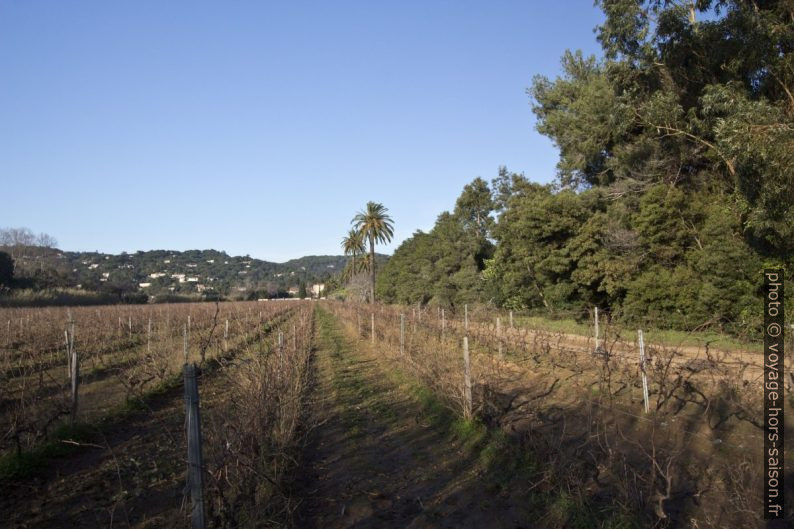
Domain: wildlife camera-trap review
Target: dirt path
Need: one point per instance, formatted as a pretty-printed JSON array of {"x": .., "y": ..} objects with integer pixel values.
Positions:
[{"x": 377, "y": 460}]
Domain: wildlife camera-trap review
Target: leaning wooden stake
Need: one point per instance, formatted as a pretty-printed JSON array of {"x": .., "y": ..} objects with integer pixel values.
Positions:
[
  {"x": 195, "y": 462},
  {"x": 641, "y": 341},
  {"x": 372, "y": 317},
  {"x": 467, "y": 406}
]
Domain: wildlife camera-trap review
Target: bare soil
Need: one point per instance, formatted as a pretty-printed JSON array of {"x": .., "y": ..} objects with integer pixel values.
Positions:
[{"x": 375, "y": 459}]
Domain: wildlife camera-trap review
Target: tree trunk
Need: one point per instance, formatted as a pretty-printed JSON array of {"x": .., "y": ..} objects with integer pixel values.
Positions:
[{"x": 372, "y": 269}]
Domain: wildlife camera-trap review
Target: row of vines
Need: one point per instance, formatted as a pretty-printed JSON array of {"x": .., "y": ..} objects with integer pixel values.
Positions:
[
  {"x": 692, "y": 460},
  {"x": 252, "y": 360}
]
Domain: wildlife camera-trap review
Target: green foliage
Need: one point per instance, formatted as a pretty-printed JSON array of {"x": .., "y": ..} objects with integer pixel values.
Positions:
[
  {"x": 533, "y": 261},
  {"x": 6, "y": 270},
  {"x": 444, "y": 267}
]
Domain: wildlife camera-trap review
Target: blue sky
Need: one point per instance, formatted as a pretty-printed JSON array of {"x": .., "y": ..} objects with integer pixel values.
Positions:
[{"x": 261, "y": 127}]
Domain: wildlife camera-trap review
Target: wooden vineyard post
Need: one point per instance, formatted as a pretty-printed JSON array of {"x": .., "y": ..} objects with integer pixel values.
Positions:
[
  {"x": 195, "y": 462},
  {"x": 188, "y": 327},
  {"x": 74, "y": 369},
  {"x": 466, "y": 317},
  {"x": 597, "y": 338},
  {"x": 443, "y": 322},
  {"x": 280, "y": 352},
  {"x": 184, "y": 342},
  {"x": 499, "y": 336},
  {"x": 372, "y": 318},
  {"x": 68, "y": 355},
  {"x": 402, "y": 334},
  {"x": 149, "y": 336},
  {"x": 511, "y": 319},
  {"x": 294, "y": 337},
  {"x": 641, "y": 341},
  {"x": 226, "y": 337},
  {"x": 129, "y": 326},
  {"x": 467, "y": 406},
  {"x": 413, "y": 319}
]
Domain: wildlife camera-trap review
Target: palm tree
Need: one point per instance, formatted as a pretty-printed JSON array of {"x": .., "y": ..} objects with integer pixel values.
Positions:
[
  {"x": 374, "y": 225},
  {"x": 353, "y": 245}
]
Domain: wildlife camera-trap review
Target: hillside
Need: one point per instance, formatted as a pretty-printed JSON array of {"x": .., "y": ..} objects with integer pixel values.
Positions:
[{"x": 160, "y": 272}]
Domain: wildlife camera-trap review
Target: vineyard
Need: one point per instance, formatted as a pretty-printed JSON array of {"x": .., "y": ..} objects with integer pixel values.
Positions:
[
  {"x": 125, "y": 421},
  {"x": 297, "y": 424},
  {"x": 694, "y": 454}
]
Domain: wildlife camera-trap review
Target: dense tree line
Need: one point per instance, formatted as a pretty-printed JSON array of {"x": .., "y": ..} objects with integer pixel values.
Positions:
[{"x": 675, "y": 181}]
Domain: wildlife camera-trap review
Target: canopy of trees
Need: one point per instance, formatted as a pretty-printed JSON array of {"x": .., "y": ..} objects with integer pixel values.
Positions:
[{"x": 675, "y": 180}]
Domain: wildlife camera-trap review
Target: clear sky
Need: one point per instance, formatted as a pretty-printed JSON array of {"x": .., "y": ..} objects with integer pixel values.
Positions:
[{"x": 261, "y": 127}]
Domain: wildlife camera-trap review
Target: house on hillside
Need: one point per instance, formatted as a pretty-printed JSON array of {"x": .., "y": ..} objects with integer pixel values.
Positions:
[{"x": 317, "y": 289}]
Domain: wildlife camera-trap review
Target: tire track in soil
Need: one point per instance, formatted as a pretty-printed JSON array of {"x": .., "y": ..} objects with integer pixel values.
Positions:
[{"x": 374, "y": 460}]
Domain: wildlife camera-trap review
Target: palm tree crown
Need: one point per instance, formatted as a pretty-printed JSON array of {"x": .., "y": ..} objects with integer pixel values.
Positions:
[
  {"x": 353, "y": 245},
  {"x": 374, "y": 225}
]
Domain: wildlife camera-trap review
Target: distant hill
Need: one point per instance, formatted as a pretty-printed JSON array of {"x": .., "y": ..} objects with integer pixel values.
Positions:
[{"x": 161, "y": 272}]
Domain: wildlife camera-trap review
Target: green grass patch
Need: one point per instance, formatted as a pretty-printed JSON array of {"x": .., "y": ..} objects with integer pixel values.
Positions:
[{"x": 652, "y": 336}]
